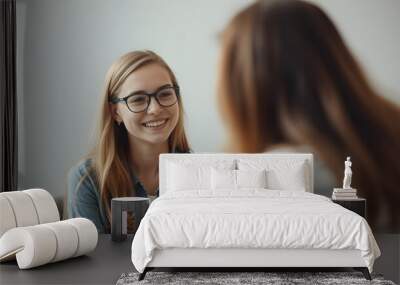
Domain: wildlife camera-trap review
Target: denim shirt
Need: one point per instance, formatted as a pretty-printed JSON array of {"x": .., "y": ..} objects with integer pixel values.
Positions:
[{"x": 83, "y": 199}]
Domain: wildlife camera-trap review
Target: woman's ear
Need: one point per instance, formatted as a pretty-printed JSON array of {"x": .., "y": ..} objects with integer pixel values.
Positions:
[{"x": 115, "y": 113}]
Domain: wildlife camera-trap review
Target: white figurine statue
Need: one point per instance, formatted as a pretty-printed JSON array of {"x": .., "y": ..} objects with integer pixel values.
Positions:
[{"x": 347, "y": 174}]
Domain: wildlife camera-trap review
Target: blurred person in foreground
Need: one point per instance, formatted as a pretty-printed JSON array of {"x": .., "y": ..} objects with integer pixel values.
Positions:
[{"x": 288, "y": 81}]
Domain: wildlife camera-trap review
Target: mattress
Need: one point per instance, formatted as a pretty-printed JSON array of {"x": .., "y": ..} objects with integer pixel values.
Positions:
[{"x": 250, "y": 219}]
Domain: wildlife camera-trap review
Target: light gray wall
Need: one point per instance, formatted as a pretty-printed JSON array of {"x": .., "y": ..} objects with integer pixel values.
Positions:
[
  {"x": 371, "y": 30},
  {"x": 21, "y": 17},
  {"x": 65, "y": 47}
]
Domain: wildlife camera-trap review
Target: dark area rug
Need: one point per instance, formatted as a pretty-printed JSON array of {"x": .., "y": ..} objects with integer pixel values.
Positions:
[{"x": 229, "y": 278}]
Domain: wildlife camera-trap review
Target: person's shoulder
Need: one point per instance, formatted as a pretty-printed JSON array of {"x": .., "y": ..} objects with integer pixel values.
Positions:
[
  {"x": 83, "y": 195},
  {"x": 81, "y": 170},
  {"x": 288, "y": 148},
  {"x": 82, "y": 179},
  {"x": 83, "y": 167}
]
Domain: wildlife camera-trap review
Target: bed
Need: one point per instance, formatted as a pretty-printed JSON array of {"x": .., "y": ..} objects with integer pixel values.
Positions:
[{"x": 245, "y": 211}]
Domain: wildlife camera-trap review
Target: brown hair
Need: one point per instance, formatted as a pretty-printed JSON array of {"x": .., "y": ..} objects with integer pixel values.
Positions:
[
  {"x": 110, "y": 153},
  {"x": 287, "y": 77}
]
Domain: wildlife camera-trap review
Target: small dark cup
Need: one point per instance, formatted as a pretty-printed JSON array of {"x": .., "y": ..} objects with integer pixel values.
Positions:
[{"x": 119, "y": 215}]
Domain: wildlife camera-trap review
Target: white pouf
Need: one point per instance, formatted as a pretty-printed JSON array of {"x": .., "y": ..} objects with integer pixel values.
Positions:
[
  {"x": 40, "y": 244},
  {"x": 26, "y": 208},
  {"x": 31, "y": 230}
]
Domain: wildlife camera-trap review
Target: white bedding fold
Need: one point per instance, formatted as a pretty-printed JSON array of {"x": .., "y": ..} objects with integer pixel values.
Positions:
[{"x": 251, "y": 218}]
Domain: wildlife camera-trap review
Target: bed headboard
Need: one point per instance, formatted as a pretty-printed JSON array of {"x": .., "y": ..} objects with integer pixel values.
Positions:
[{"x": 209, "y": 158}]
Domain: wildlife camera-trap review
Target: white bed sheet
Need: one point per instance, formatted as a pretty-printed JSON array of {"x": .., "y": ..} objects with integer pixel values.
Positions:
[{"x": 250, "y": 218}]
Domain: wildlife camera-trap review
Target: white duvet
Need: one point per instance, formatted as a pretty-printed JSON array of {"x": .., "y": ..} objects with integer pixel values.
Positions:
[{"x": 251, "y": 218}]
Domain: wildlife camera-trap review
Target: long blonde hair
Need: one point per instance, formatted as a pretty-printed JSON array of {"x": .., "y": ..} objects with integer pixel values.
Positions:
[
  {"x": 109, "y": 155},
  {"x": 287, "y": 77}
]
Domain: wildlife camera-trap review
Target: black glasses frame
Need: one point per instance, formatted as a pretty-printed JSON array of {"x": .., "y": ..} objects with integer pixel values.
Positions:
[{"x": 116, "y": 100}]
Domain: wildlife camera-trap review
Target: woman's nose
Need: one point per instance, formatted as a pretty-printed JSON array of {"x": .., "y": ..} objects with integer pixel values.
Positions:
[{"x": 154, "y": 107}]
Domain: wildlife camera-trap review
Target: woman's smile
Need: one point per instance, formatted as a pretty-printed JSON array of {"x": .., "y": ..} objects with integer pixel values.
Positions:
[{"x": 156, "y": 124}]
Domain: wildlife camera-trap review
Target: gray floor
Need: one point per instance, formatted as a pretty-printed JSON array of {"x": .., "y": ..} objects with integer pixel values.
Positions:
[{"x": 106, "y": 264}]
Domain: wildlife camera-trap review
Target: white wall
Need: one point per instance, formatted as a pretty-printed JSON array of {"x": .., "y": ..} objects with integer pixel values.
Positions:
[
  {"x": 67, "y": 47},
  {"x": 21, "y": 17},
  {"x": 371, "y": 30}
]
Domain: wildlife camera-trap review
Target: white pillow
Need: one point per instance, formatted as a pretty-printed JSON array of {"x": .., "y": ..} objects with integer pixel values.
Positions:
[
  {"x": 251, "y": 178},
  {"x": 223, "y": 179},
  {"x": 191, "y": 174},
  {"x": 236, "y": 179},
  {"x": 282, "y": 174},
  {"x": 182, "y": 177}
]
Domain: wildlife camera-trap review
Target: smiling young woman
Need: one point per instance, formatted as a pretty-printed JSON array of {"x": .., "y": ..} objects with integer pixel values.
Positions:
[{"x": 141, "y": 117}]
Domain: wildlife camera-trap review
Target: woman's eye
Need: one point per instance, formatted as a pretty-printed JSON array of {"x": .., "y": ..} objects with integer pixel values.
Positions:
[
  {"x": 165, "y": 94},
  {"x": 137, "y": 99}
]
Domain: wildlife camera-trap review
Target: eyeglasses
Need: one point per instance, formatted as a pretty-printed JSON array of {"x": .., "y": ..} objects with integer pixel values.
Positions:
[{"x": 138, "y": 102}]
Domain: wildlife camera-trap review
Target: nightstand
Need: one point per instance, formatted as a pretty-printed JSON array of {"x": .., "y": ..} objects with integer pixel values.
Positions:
[{"x": 358, "y": 206}]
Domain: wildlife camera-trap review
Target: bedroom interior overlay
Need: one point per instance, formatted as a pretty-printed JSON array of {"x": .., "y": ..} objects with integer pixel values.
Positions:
[
  {"x": 247, "y": 210},
  {"x": 276, "y": 204}
]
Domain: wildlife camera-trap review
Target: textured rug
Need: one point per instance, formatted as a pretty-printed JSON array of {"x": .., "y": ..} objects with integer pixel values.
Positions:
[{"x": 230, "y": 278}]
